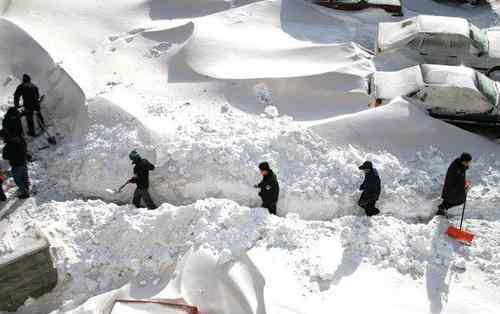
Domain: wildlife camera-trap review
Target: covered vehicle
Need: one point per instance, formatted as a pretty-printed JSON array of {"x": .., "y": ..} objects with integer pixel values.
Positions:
[
  {"x": 456, "y": 94},
  {"x": 391, "y": 6},
  {"x": 442, "y": 40},
  {"x": 473, "y": 2}
]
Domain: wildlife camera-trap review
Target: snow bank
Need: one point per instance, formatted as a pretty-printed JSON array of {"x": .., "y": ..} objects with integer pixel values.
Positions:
[
  {"x": 94, "y": 260},
  {"x": 305, "y": 265},
  {"x": 200, "y": 280},
  {"x": 258, "y": 46},
  {"x": 316, "y": 167},
  {"x": 100, "y": 159},
  {"x": 64, "y": 98},
  {"x": 328, "y": 265},
  {"x": 401, "y": 128}
]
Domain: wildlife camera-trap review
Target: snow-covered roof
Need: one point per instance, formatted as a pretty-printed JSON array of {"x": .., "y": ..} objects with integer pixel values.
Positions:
[
  {"x": 398, "y": 83},
  {"x": 494, "y": 42},
  {"x": 396, "y": 34}
]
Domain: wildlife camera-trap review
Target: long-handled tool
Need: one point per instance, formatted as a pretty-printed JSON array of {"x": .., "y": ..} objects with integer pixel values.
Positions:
[
  {"x": 461, "y": 235},
  {"x": 120, "y": 189},
  {"x": 50, "y": 137}
]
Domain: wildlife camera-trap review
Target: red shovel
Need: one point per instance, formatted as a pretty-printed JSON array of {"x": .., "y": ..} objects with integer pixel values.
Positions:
[{"x": 460, "y": 235}]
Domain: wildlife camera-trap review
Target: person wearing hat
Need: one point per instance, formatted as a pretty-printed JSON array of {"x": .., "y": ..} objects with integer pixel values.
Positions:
[
  {"x": 269, "y": 188},
  {"x": 31, "y": 102},
  {"x": 12, "y": 124},
  {"x": 142, "y": 167},
  {"x": 16, "y": 152},
  {"x": 456, "y": 185},
  {"x": 371, "y": 189}
]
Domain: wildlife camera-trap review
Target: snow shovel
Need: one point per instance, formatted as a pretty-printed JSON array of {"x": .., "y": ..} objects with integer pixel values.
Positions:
[
  {"x": 460, "y": 235},
  {"x": 120, "y": 189},
  {"x": 50, "y": 138}
]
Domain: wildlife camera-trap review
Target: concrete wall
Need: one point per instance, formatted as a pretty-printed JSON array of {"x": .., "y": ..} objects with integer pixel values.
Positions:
[{"x": 31, "y": 274}]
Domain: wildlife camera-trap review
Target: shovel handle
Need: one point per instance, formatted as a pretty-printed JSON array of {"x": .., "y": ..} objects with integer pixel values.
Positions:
[
  {"x": 123, "y": 186},
  {"x": 463, "y": 213}
]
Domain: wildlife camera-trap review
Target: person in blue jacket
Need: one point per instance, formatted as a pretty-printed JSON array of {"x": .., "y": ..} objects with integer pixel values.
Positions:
[{"x": 371, "y": 188}]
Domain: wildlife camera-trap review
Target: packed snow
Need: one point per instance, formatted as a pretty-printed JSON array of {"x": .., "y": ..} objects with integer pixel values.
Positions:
[{"x": 206, "y": 90}]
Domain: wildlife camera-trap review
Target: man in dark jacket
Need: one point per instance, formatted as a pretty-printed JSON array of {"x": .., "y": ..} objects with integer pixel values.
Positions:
[
  {"x": 456, "y": 185},
  {"x": 11, "y": 123},
  {"x": 16, "y": 152},
  {"x": 269, "y": 188},
  {"x": 371, "y": 189},
  {"x": 29, "y": 92},
  {"x": 142, "y": 167}
]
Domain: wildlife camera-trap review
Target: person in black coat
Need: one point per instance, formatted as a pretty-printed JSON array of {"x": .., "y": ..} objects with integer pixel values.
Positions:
[
  {"x": 371, "y": 188},
  {"x": 16, "y": 152},
  {"x": 142, "y": 167},
  {"x": 456, "y": 185},
  {"x": 269, "y": 188},
  {"x": 12, "y": 124},
  {"x": 31, "y": 102}
]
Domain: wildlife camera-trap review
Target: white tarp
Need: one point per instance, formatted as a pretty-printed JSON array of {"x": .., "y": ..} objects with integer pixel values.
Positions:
[{"x": 394, "y": 35}]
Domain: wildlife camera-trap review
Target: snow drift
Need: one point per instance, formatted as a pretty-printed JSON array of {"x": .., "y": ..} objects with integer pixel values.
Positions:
[
  {"x": 206, "y": 121},
  {"x": 232, "y": 287},
  {"x": 260, "y": 48},
  {"x": 64, "y": 98}
]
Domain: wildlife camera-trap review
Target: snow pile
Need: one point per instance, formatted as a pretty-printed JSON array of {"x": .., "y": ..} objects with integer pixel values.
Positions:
[
  {"x": 115, "y": 245},
  {"x": 275, "y": 55},
  {"x": 208, "y": 89},
  {"x": 320, "y": 265},
  {"x": 200, "y": 279},
  {"x": 301, "y": 262},
  {"x": 100, "y": 159},
  {"x": 64, "y": 99},
  {"x": 317, "y": 167}
]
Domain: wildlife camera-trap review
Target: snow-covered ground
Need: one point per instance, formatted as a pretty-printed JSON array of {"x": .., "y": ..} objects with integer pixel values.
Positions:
[{"x": 206, "y": 89}]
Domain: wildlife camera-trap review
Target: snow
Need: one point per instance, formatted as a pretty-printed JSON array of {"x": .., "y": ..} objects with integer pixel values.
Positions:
[
  {"x": 276, "y": 55},
  {"x": 206, "y": 90},
  {"x": 406, "y": 81},
  {"x": 395, "y": 35}
]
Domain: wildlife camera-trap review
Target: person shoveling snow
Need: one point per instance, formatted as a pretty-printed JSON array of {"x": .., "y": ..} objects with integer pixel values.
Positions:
[
  {"x": 31, "y": 103},
  {"x": 142, "y": 167},
  {"x": 371, "y": 189},
  {"x": 456, "y": 185},
  {"x": 269, "y": 188}
]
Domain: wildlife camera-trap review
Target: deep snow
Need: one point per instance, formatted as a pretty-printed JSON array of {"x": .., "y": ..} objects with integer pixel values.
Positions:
[{"x": 206, "y": 90}]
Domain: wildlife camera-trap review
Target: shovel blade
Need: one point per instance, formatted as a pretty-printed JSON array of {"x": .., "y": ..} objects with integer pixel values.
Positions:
[{"x": 461, "y": 236}]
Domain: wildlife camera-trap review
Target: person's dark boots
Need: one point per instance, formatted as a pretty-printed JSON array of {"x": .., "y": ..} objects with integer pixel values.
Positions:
[
  {"x": 442, "y": 212},
  {"x": 24, "y": 196},
  {"x": 372, "y": 212}
]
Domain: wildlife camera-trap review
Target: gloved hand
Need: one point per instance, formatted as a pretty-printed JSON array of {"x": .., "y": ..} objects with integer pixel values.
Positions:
[{"x": 468, "y": 185}]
